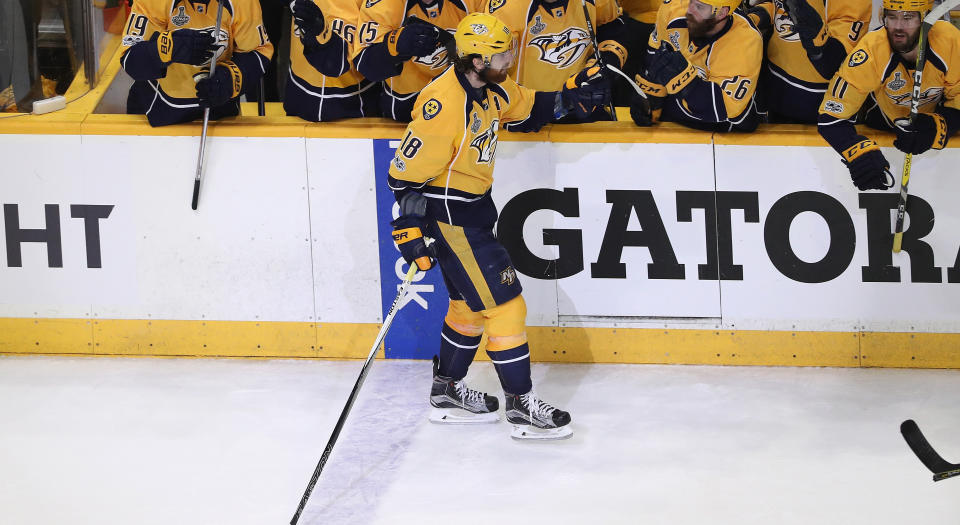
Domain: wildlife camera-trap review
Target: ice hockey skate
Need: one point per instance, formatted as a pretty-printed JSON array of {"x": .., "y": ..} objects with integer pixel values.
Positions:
[
  {"x": 534, "y": 419},
  {"x": 455, "y": 403}
]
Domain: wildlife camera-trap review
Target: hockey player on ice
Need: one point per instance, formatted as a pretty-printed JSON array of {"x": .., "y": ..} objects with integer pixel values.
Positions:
[
  {"x": 874, "y": 85},
  {"x": 441, "y": 176}
]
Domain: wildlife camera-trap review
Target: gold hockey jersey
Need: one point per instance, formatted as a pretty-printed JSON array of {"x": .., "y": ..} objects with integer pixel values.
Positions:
[
  {"x": 379, "y": 17},
  {"x": 873, "y": 67},
  {"x": 449, "y": 148},
  {"x": 847, "y": 21},
  {"x": 340, "y": 18},
  {"x": 642, "y": 10},
  {"x": 730, "y": 60},
  {"x": 553, "y": 41},
  {"x": 241, "y": 30}
]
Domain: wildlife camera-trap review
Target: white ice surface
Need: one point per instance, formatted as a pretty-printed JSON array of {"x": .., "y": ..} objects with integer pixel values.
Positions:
[{"x": 191, "y": 441}]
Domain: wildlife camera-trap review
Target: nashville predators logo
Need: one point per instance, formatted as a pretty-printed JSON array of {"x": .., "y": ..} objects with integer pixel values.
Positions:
[
  {"x": 562, "y": 49},
  {"x": 435, "y": 60},
  {"x": 857, "y": 57},
  {"x": 785, "y": 28},
  {"x": 508, "y": 276},
  {"x": 486, "y": 143},
  {"x": 496, "y": 4},
  {"x": 675, "y": 40},
  {"x": 928, "y": 96},
  {"x": 431, "y": 109},
  {"x": 181, "y": 18},
  {"x": 897, "y": 83},
  {"x": 221, "y": 41}
]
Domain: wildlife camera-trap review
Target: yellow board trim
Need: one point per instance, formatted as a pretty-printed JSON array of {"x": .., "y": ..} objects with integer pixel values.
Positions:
[
  {"x": 274, "y": 339},
  {"x": 461, "y": 248}
]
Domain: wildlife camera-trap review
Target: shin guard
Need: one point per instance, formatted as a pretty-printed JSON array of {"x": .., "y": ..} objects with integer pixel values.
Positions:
[{"x": 513, "y": 368}]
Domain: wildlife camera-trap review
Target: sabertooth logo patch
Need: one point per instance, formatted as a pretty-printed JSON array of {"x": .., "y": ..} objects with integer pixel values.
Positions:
[
  {"x": 857, "y": 57},
  {"x": 562, "y": 49},
  {"x": 486, "y": 143},
  {"x": 508, "y": 276},
  {"x": 435, "y": 60},
  {"x": 431, "y": 108},
  {"x": 479, "y": 29},
  {"x": 180, "y": 19}
]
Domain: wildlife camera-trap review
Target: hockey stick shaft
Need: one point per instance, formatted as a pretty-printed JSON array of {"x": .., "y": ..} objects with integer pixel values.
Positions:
[
  {"x": 925, "y": 453},
  {"x": 928, "y": 21},
  {"x": 596, "y": 51},
  {"x": 387, "y": 321},
  {"x": 206, "y": 115}
]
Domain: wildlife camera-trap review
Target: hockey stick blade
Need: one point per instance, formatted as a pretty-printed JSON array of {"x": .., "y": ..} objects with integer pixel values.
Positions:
[{"x": 925, "y": 453}]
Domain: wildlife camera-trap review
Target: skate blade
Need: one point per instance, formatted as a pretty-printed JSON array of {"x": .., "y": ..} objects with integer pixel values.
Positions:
[
  {"x": 531, "y": 433},
  {"x": 456, "y": 416}
]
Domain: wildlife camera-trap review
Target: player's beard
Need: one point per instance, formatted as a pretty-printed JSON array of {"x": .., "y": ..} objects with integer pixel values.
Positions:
[
  {"x": 905, "y": 42},
  {"x": 493, "y": 76},
  {"x": 700, "y": 29}
]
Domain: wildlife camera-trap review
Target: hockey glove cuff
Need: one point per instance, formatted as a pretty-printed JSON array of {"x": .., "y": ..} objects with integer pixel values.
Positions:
[
  {"x": 584, "y": 92},
  {"x": 184, "y": 46},
  {"x": 225, "y": 84},
  {"x": 869, "y": 170},
  {"x": 613, "y": 53},
  {"x": 409, "y": 239},
  {"x": 928, "y": 130},
  {"x": 671, "y": 69},
  {"x": 414, "y": 40}
]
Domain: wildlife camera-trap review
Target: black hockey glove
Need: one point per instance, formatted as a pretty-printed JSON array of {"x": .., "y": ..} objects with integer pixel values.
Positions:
[
  {"x": 408, "y": 231},
  {"x": 868, "y": 168},
  {"x": 640, "y": 111},
  {"x": 759, "y": 16},
  {"x": 586, "y": 91},
  {"x": 225, "y": 84},
  {"x": 408, "y": 236},
  {"x": 308, "y": 20},
  {"x": 927, "y": 131},
  {"x": 415, "y": 40},
  {"x": 808, "y": 25},
  {"x": 184, "y": 46},
  {"x": 669, "y": 68}
]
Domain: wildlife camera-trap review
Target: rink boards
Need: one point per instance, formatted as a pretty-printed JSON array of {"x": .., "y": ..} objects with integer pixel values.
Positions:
[{"x": 633, "y": 245}]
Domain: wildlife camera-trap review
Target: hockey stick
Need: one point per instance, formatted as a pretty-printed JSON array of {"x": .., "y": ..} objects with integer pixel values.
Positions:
[
  {"x": 261, "y": 106},
  {"x": 928, "y": 21},
  {"x": 387, "y": 321},
  {"x": 596, "y": 51},
  {"x": 929, "y": 457},
  {"x": 206, "y": 114}
]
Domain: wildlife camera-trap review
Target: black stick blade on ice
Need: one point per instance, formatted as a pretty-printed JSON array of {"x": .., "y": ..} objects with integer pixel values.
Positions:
[{"x": 921, "y": 447}]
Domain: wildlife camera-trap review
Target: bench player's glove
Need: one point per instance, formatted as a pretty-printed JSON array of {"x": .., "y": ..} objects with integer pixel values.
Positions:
[
  {"x": 184, "y": 46},
  {"x": 868, "y": 168},
  {"x": 307, "y": 20},
  {"x": 586, "y": 91},
  {"x": 415, "y": 40},
  {"x": 669, "y": 68},
  {"x": 808, "y": 25},
  {"x": 927, "y": 131},
  {"x": 217, "y": 89}
]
